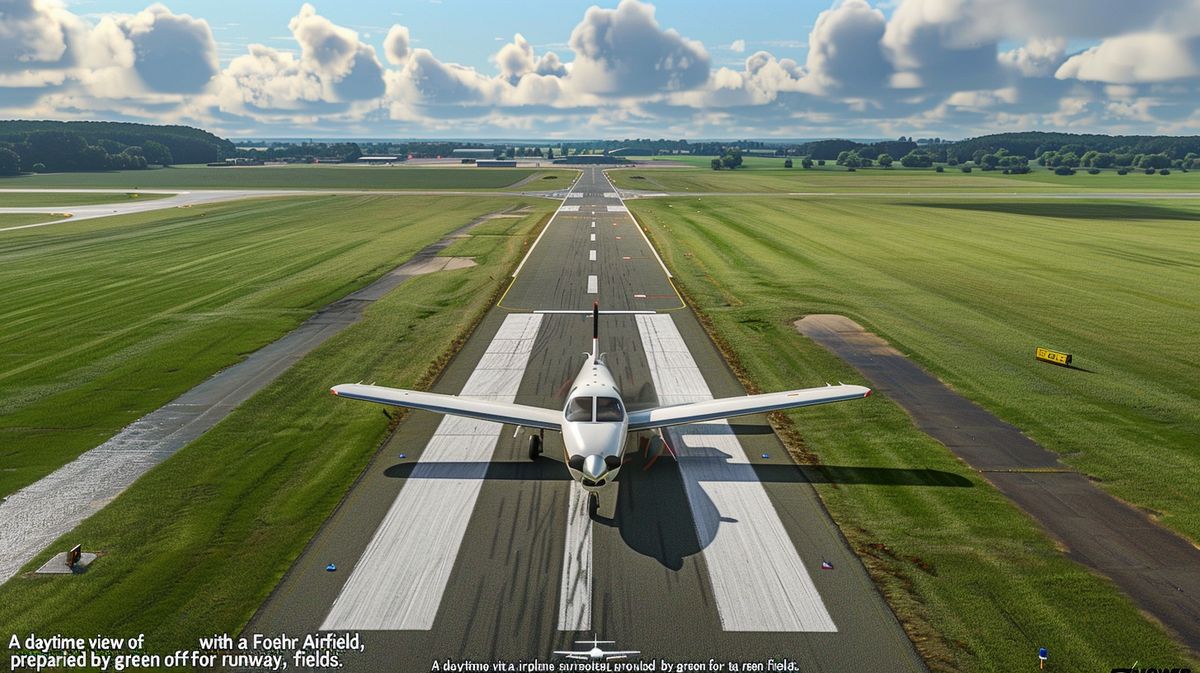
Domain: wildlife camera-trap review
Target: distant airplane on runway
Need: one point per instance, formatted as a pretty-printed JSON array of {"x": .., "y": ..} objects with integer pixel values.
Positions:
[
  {"x": 594, "y": 422},
  {"x": 595, "y": 653}
]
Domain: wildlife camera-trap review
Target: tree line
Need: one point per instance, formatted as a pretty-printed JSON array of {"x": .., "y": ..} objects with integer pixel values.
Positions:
[{"x": 97, "y": 146}]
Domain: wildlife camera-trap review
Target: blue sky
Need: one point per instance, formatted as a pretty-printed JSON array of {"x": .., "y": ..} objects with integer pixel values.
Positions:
[
  {"x": 453, "y": 68},
  {"x": 470, "y": 32}
]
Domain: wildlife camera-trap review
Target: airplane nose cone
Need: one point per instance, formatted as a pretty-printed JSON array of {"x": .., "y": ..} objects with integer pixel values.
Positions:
[{"x": 593, "y": 466}]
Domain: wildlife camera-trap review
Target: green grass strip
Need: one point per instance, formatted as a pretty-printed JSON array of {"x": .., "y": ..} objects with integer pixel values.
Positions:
[
  {"x": 56, "y": 199},
  {"x": 968, "y": 292},
  {"x": 196, "y": 545},
  {"x": 301, "y": 176},
  {"x": 102, "y": 321},
  {"x": 768, "y": 175}
]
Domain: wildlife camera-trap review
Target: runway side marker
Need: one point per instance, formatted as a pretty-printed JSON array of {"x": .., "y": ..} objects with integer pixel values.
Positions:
[
  {"x": 758, "y": 580},
  {"x": 423, "y": 530},
  {"x": 626, "y": 258},
  {"x": 639, "y": 296},
  {"x": 826, "y": 565}
]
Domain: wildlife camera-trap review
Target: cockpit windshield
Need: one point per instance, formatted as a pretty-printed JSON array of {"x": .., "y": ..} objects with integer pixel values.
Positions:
[
  {"x": 579, "y": 410},
  {"x": 609, "y": 409}
]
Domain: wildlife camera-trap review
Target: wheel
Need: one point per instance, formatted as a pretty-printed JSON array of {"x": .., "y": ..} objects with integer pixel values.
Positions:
[
  {"x": 535, "y": 447},
  {"x": 593, "y": 505}
]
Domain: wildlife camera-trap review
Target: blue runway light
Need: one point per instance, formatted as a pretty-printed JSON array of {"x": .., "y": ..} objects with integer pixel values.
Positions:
[
  {"x": 403, "y": 456},
  {"x": 766, "y": 455},
  {"x": 330, "y": 568}
]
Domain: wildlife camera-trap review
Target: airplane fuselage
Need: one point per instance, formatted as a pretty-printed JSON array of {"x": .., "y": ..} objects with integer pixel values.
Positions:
[{"x": 594, "y": 426}]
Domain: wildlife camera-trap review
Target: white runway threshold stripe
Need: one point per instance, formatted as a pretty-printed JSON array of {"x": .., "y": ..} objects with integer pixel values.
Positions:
[
  {"x": 401, "y": 576},
  {"x": 593, "y": 286},
  {"x": 575, "y": 595},
  {"x": 759, "y": 582}
]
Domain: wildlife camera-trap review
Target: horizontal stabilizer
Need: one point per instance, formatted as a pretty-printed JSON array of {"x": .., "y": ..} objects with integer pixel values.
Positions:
[{"x": 589, "y": 312}]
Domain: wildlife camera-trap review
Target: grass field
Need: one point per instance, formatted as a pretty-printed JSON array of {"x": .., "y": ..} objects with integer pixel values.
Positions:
[
  {"x": 18, "y": 219},
  {"x": 36, "y": 199},
  {"x": 197, "y": 544},
  {"x": 102, "y": 321},
  {"x": 768, "y": 175},
  {"x": 969, "y": 289},
  {"x": 301, "y": 177}
]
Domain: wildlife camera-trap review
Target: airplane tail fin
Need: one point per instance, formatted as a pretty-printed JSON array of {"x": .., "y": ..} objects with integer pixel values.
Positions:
[{"x": 595, "y": 329}]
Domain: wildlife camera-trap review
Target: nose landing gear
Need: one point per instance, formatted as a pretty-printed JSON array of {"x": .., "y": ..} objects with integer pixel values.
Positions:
[{"x": 593, "y": 504}]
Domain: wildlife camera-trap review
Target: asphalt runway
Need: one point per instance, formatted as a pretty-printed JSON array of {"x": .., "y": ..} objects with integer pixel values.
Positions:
[
  {"x": 1158, "y": 569},
  {"x": 454, "y": 545}
]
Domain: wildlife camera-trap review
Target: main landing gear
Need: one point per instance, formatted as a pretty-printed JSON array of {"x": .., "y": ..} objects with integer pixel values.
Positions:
[{"x": 535, "y": 446}]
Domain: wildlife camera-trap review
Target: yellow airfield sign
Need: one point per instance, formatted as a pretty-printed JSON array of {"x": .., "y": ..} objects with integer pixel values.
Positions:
[{"x": 1053, "y": 357}]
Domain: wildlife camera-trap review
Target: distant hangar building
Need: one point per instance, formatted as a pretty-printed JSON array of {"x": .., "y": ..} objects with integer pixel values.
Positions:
[{"x": 474, "y": 153}]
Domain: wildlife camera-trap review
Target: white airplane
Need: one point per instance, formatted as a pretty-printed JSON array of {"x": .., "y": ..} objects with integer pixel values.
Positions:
[
  {"x": 594, "y": 422},
  {"x": 595, "y": 653}
]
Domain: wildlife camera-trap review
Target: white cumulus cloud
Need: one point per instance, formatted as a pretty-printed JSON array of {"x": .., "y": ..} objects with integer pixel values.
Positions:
[
  {"x": 395, "y": 45},
  {"x": 1134, "y": 59},
  {"x": 623, "y": 52}
]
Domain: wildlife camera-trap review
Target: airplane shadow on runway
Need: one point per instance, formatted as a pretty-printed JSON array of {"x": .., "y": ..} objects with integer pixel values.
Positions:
[{"x": 653, "y": 512}]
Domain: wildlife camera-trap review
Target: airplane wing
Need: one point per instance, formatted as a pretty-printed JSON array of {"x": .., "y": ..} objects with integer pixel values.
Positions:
[
  {"x": 500, "y": 412},
  {"x": 710, "y": 410}
]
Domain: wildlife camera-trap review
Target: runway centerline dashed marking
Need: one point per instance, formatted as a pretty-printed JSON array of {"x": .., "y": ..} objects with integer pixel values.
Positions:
[
  {"x": 591, "y": 255},
  {"x": 758, "y": 579},
  {"x": 593, "y": 285},
  {"x": 593, "y": 238},
  {"x": 401, "y": 576},
  {"x": 575, "y": 595}
]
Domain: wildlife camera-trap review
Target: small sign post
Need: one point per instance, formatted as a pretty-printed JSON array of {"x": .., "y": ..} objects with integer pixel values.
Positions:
[
  {"x": 1043, "y": 655},
  {"x": 74, "y": 555}
]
